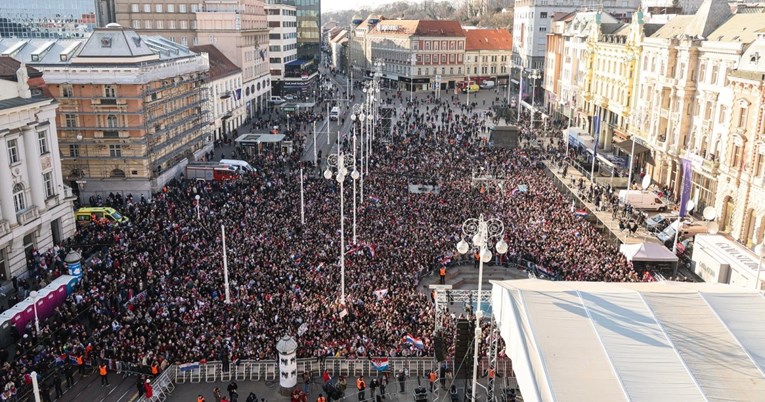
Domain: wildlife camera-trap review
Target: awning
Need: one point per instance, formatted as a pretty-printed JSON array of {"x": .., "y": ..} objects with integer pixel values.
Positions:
[
  {"x": 254, "y": 139},
  {"x": 626, "y": 146}
]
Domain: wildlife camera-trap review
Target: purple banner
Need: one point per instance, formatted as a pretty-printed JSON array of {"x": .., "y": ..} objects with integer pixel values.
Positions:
[
  {"x": 685, "y": 195},
  {"x": 596, "y": 134}
]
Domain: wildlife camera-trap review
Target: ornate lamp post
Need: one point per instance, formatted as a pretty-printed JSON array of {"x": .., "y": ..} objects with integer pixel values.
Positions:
[
  {"x": 534, "y": 76},
  {"x": 340, "y": 164},
  {"x": 481, "y": 231}
]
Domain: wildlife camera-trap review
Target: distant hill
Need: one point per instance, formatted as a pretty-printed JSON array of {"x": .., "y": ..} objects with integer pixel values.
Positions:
[{"x": 431, "y": 10}]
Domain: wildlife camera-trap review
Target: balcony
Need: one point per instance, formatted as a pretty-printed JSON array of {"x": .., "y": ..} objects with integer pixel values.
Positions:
[
  {"x": 5, "y": 227},
  {"x": 27, "y": 215},
  {"x": 108, "y": 101}
]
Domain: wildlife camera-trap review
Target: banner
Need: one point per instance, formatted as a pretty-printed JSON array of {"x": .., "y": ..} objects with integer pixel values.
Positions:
[
  {"x": 685, "y": 194},
  {"x": 380, "y": 364},
  {"x": 596, "y": 134},
  {"x": 188, "y": 366}
]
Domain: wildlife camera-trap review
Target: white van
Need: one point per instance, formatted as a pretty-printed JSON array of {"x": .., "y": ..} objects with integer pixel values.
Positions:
[
  {"x": 239, "y": 165},
  {"x": 276, "y": 100},
  {"x": 335, "y": 113},
  {"x": 488, "y": 84},
  {"x": 644, "y": 200}
]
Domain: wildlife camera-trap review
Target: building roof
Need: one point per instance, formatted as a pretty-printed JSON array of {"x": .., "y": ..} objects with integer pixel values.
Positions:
[
  {"x": 741, "y": 28},
  {"x": 11, "y": 103},
  {"x": 660, "y": 341},
  {"x": 394, "y": 27},
  {"x": 115, "y": 41},
  {"x": 220, "y": 65},
  {"x": 9, "y": 66},
  {"x": 440, "y": 28},
  {"x": 488, "y": 39},
  {"x": 710, "y": 15}
]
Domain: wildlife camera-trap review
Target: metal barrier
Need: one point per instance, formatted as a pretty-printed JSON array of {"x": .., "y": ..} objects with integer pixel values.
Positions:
[{"x": 162, "y": 386}]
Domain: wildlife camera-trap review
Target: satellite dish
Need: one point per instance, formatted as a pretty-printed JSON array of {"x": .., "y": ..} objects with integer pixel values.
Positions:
[
  {"x": 709, "y": 213},
  {"x": 713, "y": 228},
  {"x": 690, "y": 205},
  {"x": 646, "y": 182}
]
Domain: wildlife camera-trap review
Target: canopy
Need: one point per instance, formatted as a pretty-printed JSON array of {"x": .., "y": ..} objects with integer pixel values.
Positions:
[
  {"x": 653, "y": 342},
  {"x": 626, "y": 146},
  {"x": 254, "y": 139},
  {"x": 647, "y": 252}
]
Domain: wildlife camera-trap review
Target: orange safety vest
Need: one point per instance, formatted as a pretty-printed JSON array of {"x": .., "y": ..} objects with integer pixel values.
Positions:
[
  {"x": 360, "y": 384},
  {"x": 200, "y": 399},
  {"x": 102, "y": 369},
  {"x": 154, "y": 369},
  {"x": 433, "y": 376},
  {"x": 442, "y": 271},
  {"x": 491, "y": 374},
  {"x": 79, "y": 360},
  {"x": 321, "y": 399}
]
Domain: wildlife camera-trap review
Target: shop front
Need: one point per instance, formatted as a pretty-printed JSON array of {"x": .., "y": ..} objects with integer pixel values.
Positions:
[{"x": 417, "y": 84}]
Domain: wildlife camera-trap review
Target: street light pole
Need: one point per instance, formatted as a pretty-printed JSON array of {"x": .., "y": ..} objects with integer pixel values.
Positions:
[
  {"x": 481, "y": 231},
  {"x": 315, "y": 145},
  {"x": 302, "y": 199},
  {"x": 196, "y": 197},
  {"x": 33, "y": 294},
  {"x": 411, "y": 81},
  {"x": 225, "y": 265},
  {"x": 534, "y": 77},
  {"x": 520, "y": 93},
  {"x": 341, "y": 164}
]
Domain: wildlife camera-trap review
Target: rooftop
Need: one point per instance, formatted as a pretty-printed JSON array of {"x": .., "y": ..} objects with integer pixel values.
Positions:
[
  {"x": 488, "y": 39},
  {"x": 9, "y": 66},
  {"x": 742, "y": 28},
  {"x": 220, "y": 65}
]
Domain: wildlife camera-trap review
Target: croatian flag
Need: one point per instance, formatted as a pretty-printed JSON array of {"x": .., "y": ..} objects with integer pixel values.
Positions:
[
  {"x": 581, "y": 213},
  {"x": 417, "y": 342},
  {"x": 375, "y": 199},
  {"x": 372, "y": 250},
  {"x": 189, "y": 366},
  {"x": 380, "y": 364}
]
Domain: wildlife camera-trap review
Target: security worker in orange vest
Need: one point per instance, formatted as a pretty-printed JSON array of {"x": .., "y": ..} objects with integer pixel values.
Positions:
[
  {"x": 432, "y": 377},
  {"x": 81, "y": 364},
  {"x": 361, "y": 386},
  {"x": 154, "y": 369},
  {"x": 321, "y": 398},
  {"x": 442, "y": 275},
  {"x": 200, "y": 398},
  {"x": 103, "y": 371}
]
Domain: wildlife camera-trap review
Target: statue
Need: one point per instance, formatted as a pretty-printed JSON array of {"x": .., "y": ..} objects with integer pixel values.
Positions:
[{"x": 22, "y": 81}]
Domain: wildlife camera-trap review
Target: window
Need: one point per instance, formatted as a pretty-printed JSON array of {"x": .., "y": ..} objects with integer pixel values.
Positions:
[
  {"x": 159, "y": 24},
  {"x": 158, "y": 8},
  {"x": 735, "y": 160},
  {"x": 543, "y": 14},
  {"x": 171, "y": 8},
  {"x": 702, "y": 72},
  {"x": 184, "y": 41},
  {"x": 70, "y": 120},
  {"x": 194, "y": 8},
  {"x": 136, "y": 24},
  {"x": 13, "y": 151},
  {"x": 184, "y": 24},
  {"x": 115, "y": 151},
  {"x": 66, "y": 91},
  {"x": 171, "y": 24},
  {"x": 18, "y": 197},
  {"x": 74, "y": 151},
  {"x": 181, "y": 8},
  {"x": 110, "y": 91},
  {"x": 147, "y": 8},
  {"x": 42, "y": 139},
  {"x": 111, "y": 121},
  {"x": 742, "y": 116},
  {"x": 759, "y": 164},
  {"x": 147, "y": 24},
  {"x": 48, "y": 184},
  {"x": 134, "y": 8}
]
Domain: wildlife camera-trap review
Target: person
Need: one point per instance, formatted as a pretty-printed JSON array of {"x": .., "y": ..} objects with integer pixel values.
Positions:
[
  {"x": 57, "y": 383},
  {"x": 306, "y": 382},
  {"x": 401, "y": 381},
  {"x": 200, "y": 398},
  {"x": 432, "y": 377},
  {"x": 383, "y": 384},
  {"x": 232, "y": 390},
  {"x": 103, "y": 371},
  {"x": 252, "y": 397},
  {"x": 321, "y": 398},
  {"x": 217, "y": 394},
  {"x": 373, "y": 384},
  {"x": 139, "y": 386},
  {"x": 442, "y": 275},
  {"x": 343, "y": 384},
  {"x": 150, "y": 390},
  {"x": 361, "y": 386}
]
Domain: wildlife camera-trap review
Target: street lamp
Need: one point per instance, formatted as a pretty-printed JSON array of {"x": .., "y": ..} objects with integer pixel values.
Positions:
[
  {"x": 196, "y": 197},
  {"x": 33, "y": 295},
  {"x": 341, "y": 164},
  {"x": 534, "y": 76},
  {"x": 357, "y": 114},
  {"x": 481, "y": 231},
  {"x": 760, "y": 251},
  {"x": 413, "y": 60}
]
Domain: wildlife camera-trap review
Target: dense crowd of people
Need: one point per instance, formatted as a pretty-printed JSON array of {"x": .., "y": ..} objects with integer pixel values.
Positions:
[{"x": 153, "y": 293}]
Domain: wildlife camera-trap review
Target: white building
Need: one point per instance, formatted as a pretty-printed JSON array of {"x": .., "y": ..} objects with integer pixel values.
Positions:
[
  {"x": 282, "y": 25},
  {"x": 532, "y": 22},
  {"x": 223, "y": 83},
  {"x": 35, "y": 205}
]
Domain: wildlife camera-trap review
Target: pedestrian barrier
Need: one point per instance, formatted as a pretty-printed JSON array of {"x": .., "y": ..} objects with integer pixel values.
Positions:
[{"x": 162, "y": 387}]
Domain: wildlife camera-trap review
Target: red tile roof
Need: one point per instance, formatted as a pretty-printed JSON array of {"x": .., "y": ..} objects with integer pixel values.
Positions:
[
  {"x": 488, "y": 39},
  {"x": 220, "y": 65},
  {"x": 439, "y": 28}
]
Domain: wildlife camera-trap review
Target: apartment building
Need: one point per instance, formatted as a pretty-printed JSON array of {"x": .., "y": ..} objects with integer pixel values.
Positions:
[
  {"x": 238, "y": 28},
  {"x": 132, "y": 108},
  {"x": 488, "y": 54},
  {"x": 35, "y": 203},
  {"x": 282, "y": 32}
]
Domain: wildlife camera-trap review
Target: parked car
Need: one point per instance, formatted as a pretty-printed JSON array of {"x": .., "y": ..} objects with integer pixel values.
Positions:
[
  {"x": 644, "y": 200},
  {"x": 276, "y": 100},
  {"x": 659, "y": 222},
  {"x": 488, "y": 84}
]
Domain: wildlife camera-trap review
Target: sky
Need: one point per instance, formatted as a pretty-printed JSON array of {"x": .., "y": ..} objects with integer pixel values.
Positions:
[{"x": 336, "y": 5}]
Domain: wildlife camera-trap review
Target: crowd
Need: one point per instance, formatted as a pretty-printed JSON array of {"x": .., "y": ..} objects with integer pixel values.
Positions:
[{"x": 153, "y": 293}]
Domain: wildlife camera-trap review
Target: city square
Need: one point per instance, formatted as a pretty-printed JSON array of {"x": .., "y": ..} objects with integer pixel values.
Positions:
[{"x": 324, "y": 206}]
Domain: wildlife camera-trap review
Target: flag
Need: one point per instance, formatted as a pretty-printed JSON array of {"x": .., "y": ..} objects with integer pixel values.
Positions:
[
  {"x": 417, "y": 342},
  {"x": 446, "y": 260},
  {"x": 685, "y": 193},
  {"x": 596, "y": 126},
  {"x": 380, "y": 293},
  {"x": 262, "y": 55},
  {"x": 375, "y": 199},
  {"x": 302, "y": 329},
  {"x": 581, "y": 213},
  {"x": 238, "y": 94},
  {"x": 372, "y": 249},
  {"x": 189, "y": 366},
  {"x": 381, "y": 364}
]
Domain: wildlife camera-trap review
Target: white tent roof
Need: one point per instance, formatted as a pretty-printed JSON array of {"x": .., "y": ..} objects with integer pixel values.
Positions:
[
  {"x": 647, "y": 252},
  {"x": 660, "y": 341}
]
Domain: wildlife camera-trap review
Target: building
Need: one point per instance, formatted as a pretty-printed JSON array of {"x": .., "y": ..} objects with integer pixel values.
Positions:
[
  {"x": 132, "y": 108},
  {"x": 47, "y": 19},
  {"x": 338, "y": 45},
  {"x": 238, "y": 28},
  {"x": 224, "y": 86},
  {"x": 35, "y": 204},
  {"x": 677, "y": 6},
  {"x": 532, "y": 19},
  {"x": 740, "y": 196},
  {"x": 487, "y": 54},
  {"x": 360, "y": 54},
  {"x": 282, "y": 37},
  {"x": 416, "y": 54},
  {"x": 309, "y": 34},
  {"x": 667, "y": 93}
]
